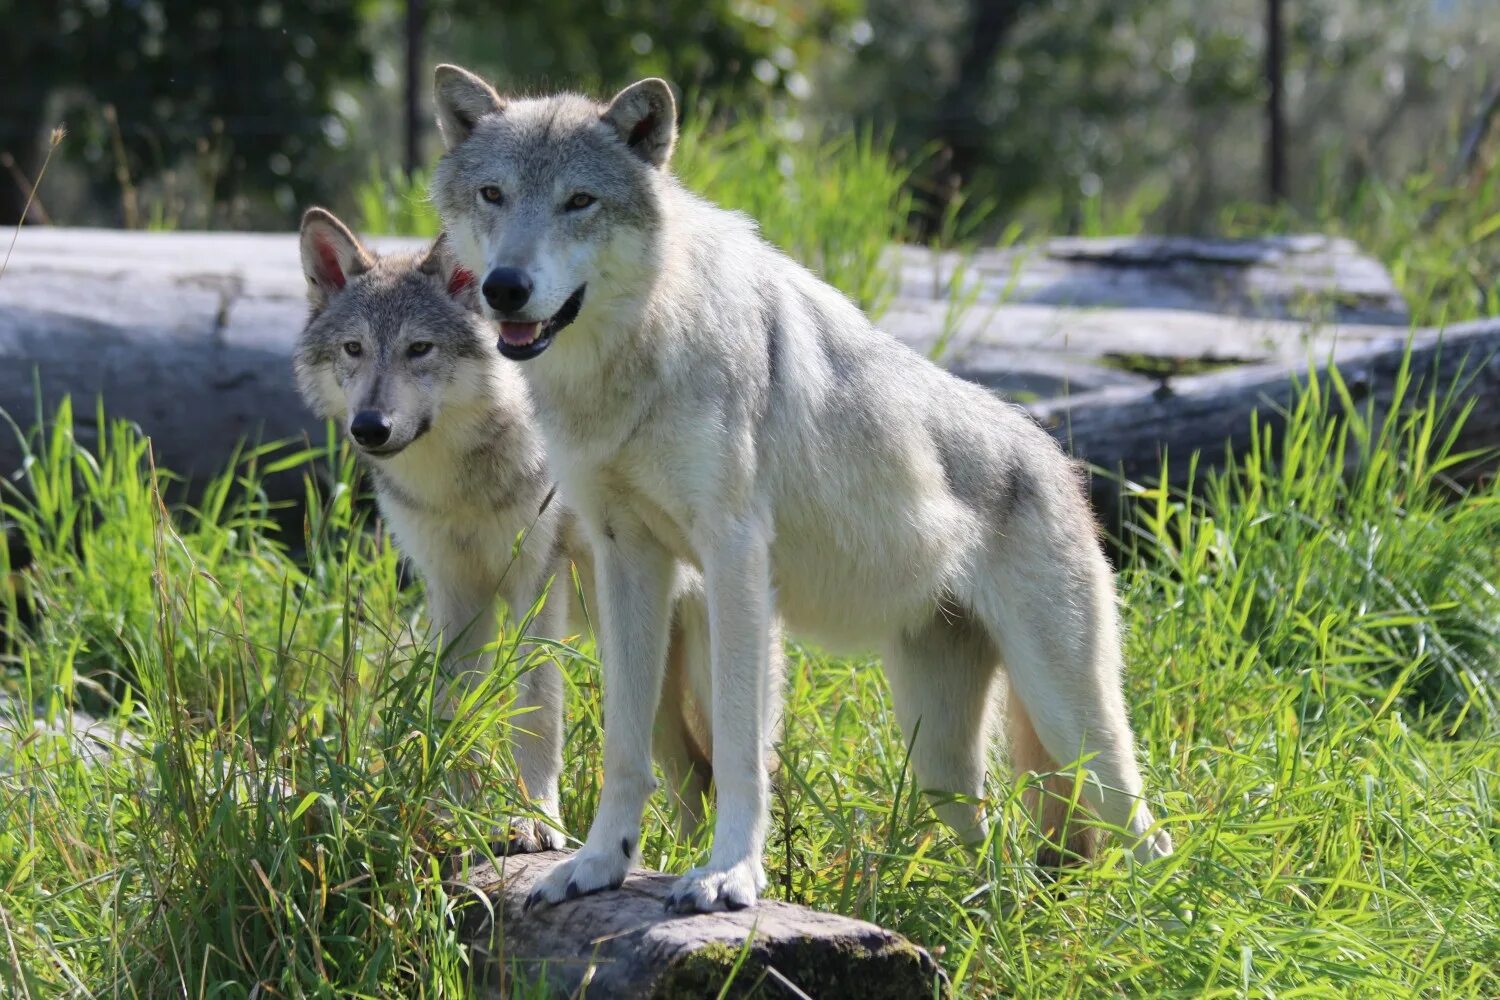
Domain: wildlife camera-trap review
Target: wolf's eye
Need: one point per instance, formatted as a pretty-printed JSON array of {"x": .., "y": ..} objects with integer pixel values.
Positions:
[
  {"x": 491, "y": 194},
  {"x": 418, "y": 348},
  {"x": 580, "y": 200},
  {"x": 352, "y": 348}
]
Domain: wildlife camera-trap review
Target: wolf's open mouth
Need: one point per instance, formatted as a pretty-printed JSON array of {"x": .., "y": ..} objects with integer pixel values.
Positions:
[{"x": 523, "y": 341}]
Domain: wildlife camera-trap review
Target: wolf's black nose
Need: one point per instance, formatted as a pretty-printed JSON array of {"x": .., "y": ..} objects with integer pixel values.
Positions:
[
  {"x": 506, "y": 289},
  {"x": 370, "y": 428}
]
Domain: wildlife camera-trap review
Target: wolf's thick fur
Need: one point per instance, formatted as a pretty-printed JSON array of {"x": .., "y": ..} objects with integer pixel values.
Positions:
[
  {"x": 713, "y": 404},
  {"x": 461, "y": 476}
]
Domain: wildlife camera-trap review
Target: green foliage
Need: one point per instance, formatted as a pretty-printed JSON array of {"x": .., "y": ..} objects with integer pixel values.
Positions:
[
  {"x": 1074, "y": 116},
  {"x": 392, "y": 203},
  {"x": 836, "y": 204},
  {"x": 1311, "y": 645},
  {"x": 238, "y": 90},
  {"x": 747, "y": 53},
  {"x": 1070, "y": 102},
  {"x": 283, "y": 795},
  {"x": 1384, "y": 576}
]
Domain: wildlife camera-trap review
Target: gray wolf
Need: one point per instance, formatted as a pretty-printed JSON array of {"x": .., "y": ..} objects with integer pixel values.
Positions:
[
  {"x": 397, "y": 354},
  {"x": 709, "y": 403}
]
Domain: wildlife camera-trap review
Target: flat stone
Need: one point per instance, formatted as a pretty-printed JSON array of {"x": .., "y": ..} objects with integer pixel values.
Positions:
[{"x": 622, "y": 944}]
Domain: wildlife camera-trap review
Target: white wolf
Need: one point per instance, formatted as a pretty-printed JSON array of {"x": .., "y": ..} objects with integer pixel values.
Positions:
[
  {"x": 396, "y": 352},
  {"x": 709, "y": 403}
]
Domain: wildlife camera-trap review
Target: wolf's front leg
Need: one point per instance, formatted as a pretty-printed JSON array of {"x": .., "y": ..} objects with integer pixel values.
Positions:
[
  {"x": 635, "y": 576},
  {"x": 464, "y": 615},
  {"x": 737, "y": 575},
  {"x": 538, "y": 726}
]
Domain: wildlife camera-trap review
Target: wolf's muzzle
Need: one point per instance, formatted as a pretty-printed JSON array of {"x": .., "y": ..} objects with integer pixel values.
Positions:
[{"x": 524, "y": 341}]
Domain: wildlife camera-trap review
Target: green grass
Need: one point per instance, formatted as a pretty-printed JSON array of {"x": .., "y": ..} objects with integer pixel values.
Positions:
[
  {"x": 1312, "y": 675},
  {"x": 392, "y": 203}
]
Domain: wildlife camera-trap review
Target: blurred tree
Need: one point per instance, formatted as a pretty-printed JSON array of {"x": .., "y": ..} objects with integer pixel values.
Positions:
[
  {"x": 1276, "y": 183},
  {"x": 1159, "y": 107},
  {"x": 741, "y": 54},
  {"x": 960, "y": 138},
  {"x": 239, "y": 89},
  {"x": 734, "y": 51},
  {"x": 1015, "y": 97},
  {"x": 1092, "y": 115}
]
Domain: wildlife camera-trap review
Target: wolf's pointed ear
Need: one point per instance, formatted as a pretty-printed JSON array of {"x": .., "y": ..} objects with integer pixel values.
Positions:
[
  {"x": 462, "y": 99},
  {"x": 458, "y": 281},
  {"x": 331, "y": 254},
  {"x": 646, "y": 117}
]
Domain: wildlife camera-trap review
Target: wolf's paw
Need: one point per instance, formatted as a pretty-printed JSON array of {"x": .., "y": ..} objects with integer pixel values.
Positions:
[
  {"x": 530, "y": 836},
  {"x": 704, "y": 890},
  {"x": 1153, "y": 847},
  {"x": 585, "y": 872}
]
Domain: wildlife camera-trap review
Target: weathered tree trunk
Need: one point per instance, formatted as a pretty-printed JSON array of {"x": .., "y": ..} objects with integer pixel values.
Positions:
[
  {"x": 417, "y": 76},
  {"x": 1276, "y": 177},
  {"x": 625, "y": 945},
  {"x": 1128, "y": 431},
  {"x": 958, "y": 130},
  {"x": 189, "y": 335}
]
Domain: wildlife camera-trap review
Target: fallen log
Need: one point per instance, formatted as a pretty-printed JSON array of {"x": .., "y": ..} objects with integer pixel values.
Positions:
[
  {"x": 1127, "y": 432},
  {"x": 1302, "y": 276},
  {"x": 624, "y": 944},
  {"x": 190, "y": 335}
]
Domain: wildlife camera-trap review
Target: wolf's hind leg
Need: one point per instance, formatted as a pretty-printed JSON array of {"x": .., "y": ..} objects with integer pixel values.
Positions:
[
  {"x": 942, "y": 678},
  {"x": 1052, "y": 612},
  {"x": 682, "y": 741},
  {"x": 1050, "y": 805}
]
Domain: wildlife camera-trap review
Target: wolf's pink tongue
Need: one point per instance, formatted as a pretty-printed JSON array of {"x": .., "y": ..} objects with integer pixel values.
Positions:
[{"x": 519, "y": 334}]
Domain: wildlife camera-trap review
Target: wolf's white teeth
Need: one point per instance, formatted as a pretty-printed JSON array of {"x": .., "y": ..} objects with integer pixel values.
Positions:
[{"x": 519, "y": 334}]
